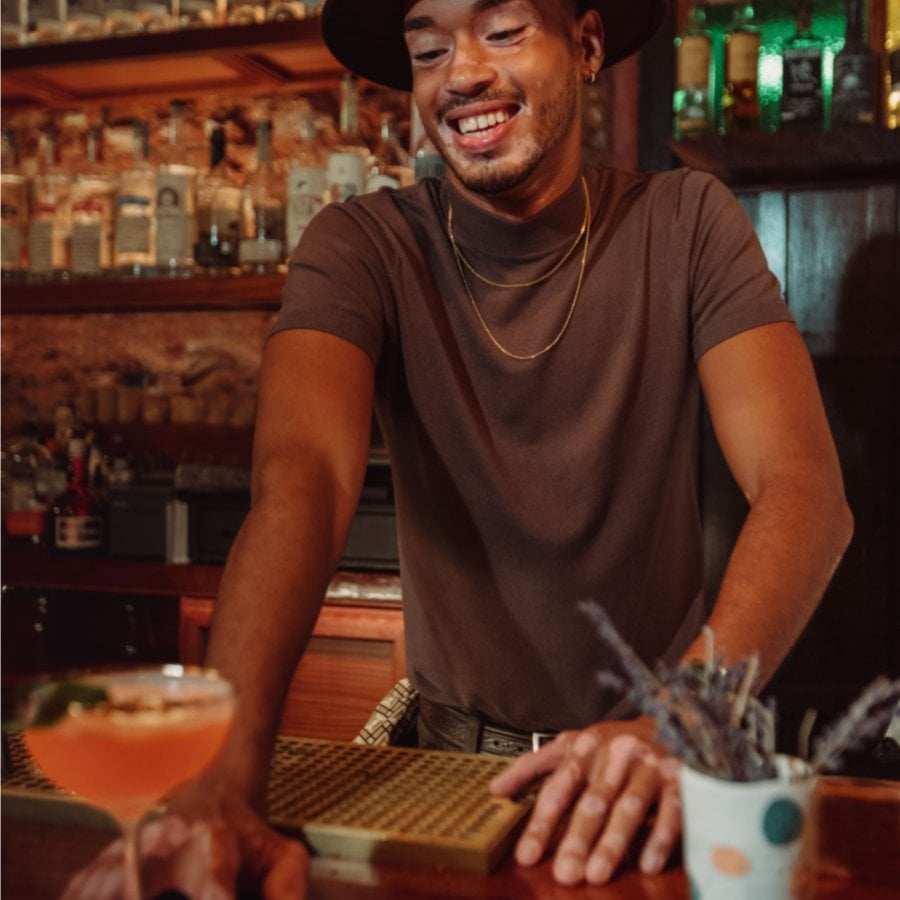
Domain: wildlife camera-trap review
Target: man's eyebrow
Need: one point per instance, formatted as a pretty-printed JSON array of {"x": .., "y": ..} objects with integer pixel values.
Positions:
[{"x": 419, "y": 22}]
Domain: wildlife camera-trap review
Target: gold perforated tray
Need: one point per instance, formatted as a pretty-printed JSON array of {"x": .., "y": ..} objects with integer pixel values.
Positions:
[
  {"x": 379, "y": 804},
  {"x": 393, "y": 804}
]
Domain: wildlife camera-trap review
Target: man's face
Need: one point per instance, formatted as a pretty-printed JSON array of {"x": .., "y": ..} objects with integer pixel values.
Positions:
[{"x": 497, "y": 83}]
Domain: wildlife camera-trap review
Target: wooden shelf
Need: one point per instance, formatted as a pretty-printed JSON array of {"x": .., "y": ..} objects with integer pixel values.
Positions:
[
  {"x": 103, "y": 295},
  {"x": 784, "y": 158},
  {"x": 268, "y": 57}
]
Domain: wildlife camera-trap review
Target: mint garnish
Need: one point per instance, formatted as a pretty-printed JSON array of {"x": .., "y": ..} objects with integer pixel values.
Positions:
[{"x": 55, "y": 704}]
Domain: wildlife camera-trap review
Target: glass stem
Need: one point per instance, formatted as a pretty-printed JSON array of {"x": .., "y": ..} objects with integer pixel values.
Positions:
[{"x": 131, "y": 830}]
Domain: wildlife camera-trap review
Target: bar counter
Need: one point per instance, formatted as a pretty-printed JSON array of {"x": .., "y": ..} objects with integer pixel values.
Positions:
[{"x": 856, "y": 842}]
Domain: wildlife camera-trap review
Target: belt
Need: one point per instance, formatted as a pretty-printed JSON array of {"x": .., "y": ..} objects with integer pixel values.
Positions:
[{"x": 473, "y": 734}]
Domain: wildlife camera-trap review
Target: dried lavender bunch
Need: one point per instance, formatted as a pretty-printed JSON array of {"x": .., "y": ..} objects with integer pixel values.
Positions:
[
  {"x": 865, "y": 720},
  {"x": 710, "y": 718},
  {"x": 707, "y": 717}
]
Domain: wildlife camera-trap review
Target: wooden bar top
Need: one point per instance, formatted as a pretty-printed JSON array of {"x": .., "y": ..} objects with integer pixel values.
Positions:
[{"x": 856, "y": 842}]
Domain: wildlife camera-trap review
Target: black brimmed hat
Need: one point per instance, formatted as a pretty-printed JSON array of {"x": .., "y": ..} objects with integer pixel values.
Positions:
[{"x": 366, "y": 36}]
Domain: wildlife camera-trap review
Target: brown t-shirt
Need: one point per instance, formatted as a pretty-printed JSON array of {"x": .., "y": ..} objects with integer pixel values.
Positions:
[{"x": 523, "y": 488}]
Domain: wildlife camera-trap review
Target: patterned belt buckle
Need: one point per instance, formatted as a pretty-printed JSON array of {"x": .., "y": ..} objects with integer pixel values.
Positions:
[{"x": 539, "y": 738}]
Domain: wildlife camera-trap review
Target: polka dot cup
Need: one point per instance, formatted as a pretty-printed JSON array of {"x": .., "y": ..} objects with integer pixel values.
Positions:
[{"x": 742, "y": 840}]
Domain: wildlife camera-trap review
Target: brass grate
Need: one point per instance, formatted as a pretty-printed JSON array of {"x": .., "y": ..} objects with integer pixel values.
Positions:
[
  {"x": 392, "y": 804},
  {"x": 375, "y": 803}
]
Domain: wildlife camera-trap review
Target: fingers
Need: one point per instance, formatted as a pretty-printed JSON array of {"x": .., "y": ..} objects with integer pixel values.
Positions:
[
  {"x": 557, "y": 794},
  {"x": 529, "y": 767},
  {"x": 666, "y": 829},
  {"x": 287, "y": 877}
]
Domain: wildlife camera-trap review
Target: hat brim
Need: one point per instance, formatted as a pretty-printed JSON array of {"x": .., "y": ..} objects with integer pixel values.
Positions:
[{"x": 367, "y": 36}]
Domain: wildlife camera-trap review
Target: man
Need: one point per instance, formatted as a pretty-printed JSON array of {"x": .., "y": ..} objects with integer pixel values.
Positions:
[{"x": 532, "y": 335}]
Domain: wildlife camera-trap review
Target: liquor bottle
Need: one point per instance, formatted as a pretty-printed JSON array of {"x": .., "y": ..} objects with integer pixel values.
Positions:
[
  {"x": 154, "y": 17},
  {"x": 693, "y": 53},
  {"x": 14, "y": 23},
  {"x": 740, "y": 97},
  {"x": 77, "y": 514},
  {"x": 892, "y": 119},
  {"x": 853, "y": 85},
  {"x": 306, "y": 182},
  {"x": 176, "y": 183},
  {"x": 389, "y": 164},
  {"x": 201, "y": 13},
  {"x": 93, "y": 205},
  {"x": 121, "y": 18},
  {"x": 85, "y": 20},
  {"x": 801, "y": 94},
  {"x": 135, "y": 240},
  {"x": 219, "y": 201},
  {"x": 49, "y": 227},
  {"x": 26, "y": 462},
  {"x": 348, "y": 159},
  {"x": 47, "y": 21},
  {"x": 262, "y": 247},
  {"x": 13, "y": 210}
]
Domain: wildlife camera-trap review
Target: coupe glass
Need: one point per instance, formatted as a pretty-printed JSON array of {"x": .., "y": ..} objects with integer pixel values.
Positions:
[{"x": 123, "y": 740}]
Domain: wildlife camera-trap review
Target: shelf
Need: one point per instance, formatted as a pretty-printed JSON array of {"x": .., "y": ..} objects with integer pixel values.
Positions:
[
  {"x": 106, "y": 295},
  {"x": 784, "y": 158},
  {"x": 268, "y": 57}
]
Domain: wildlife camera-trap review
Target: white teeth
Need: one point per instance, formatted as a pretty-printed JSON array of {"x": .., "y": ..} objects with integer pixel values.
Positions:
[{"x": 480, "y": 123}]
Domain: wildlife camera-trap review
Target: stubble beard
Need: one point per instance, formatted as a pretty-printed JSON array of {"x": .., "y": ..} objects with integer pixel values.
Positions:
[{"x": 489, "y": 175}]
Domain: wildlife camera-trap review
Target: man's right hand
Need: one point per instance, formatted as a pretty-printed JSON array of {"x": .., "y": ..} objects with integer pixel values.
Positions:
[{"x": 209, "y": 845}]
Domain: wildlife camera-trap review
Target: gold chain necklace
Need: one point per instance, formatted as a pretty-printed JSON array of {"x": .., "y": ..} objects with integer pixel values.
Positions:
[
  {"x": 521, "y": 284},
  {"x": 461, "y": 264}
]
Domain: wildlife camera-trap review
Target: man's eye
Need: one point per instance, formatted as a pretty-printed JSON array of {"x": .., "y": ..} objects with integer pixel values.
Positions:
[
  {"x": 426, "y": 56},
  {"x": 508, "y": 34}
]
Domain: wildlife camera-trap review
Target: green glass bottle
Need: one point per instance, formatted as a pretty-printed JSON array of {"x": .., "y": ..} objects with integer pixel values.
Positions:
[
  {"x": 692, "y": 116},
  {"x": 740, "y": 96},
  {"x": 801, "y": 96}
]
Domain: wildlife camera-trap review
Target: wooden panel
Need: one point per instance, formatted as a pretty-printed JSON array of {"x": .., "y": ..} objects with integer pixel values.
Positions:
[
  {"x": 354, "y": 658},
  {"x": 768, "y": 212},
  {"x": 844, "y": 268}
]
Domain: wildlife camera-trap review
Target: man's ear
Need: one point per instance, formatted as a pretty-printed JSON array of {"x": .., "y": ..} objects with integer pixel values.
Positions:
[{"x": 590, "y": 39}]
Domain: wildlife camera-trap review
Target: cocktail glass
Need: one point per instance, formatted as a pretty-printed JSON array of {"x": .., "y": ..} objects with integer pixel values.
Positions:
[{"x": 123, "y": 740}]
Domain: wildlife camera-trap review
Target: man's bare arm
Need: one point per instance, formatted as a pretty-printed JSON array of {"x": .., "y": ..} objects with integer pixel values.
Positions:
[
  {"x": 309, "y": 457},
  {"x": 764, "y": 403}
]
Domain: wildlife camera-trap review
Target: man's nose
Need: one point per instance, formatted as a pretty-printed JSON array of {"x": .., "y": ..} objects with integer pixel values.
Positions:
[{"x": 470, "y": 70}]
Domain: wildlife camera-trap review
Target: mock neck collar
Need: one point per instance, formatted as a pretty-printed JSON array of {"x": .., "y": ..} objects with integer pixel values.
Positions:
[{"x": 479, "y": 232}]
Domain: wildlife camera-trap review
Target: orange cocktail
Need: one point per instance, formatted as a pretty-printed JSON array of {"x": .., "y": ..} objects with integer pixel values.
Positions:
[{"x": 123, "y": 740}]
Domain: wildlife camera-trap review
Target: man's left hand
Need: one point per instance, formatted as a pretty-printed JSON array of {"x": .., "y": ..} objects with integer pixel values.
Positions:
[{"x": 601, "y": 784}]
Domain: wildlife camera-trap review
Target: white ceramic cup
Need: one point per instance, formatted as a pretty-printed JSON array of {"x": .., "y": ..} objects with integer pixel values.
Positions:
[{"x": 742, "y": 840}]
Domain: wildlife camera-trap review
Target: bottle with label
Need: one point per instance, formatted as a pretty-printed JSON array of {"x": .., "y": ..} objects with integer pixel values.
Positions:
[
  {"x": 740, "y": 97},
  {"x": 50, "y": 226},
  {"x": 306, "y": 182},
  {"x": 47, "y": 21},
  {"x": 176, "y": 184},
  {"x": 201, "y": 13},
  {"x": 693, "y": 55},
  {"x": 262, "y": 247},
  {"x": 13, "y": 23},
  {"x": 853, "y": 85},
  {"x": 135, "y": 233},
  {"x": 154, "y": 17},
  {"x": 78, "y": 514},
  {"x": 219, "y": 203},
  {"x": 348, "y": 160},
  {"x": 801, "y": 95},
  {"x": 93, "y": 217},
  {"x": 389, "y": 164},
  {"x": 121, "y": 18},
  {"x": 13, "y": 210}
]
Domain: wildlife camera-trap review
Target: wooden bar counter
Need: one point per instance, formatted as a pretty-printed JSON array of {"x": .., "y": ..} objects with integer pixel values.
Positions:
[{"x": 857, "y": 841}]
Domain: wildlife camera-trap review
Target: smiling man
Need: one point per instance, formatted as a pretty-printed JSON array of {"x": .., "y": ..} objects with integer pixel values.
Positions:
[{"x": 534, "y": 335}]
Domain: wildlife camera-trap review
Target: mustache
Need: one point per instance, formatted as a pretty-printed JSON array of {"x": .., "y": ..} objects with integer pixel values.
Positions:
[{"x": 515, "y": 99}]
